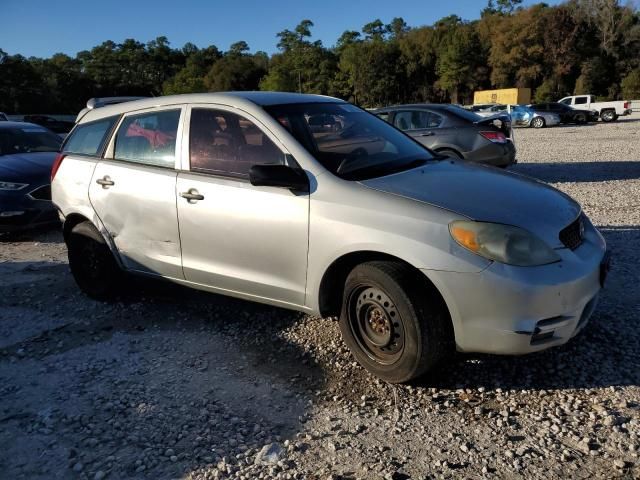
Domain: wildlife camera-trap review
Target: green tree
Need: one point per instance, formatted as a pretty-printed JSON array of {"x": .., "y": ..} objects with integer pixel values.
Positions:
[
  {"x": 190, "y": 79},
  {"x": 236, "y": 70},
  {"x": 301, "y": 65},
  {"x": 631, "y": 85},
  {"x": 459, "y": 68}
]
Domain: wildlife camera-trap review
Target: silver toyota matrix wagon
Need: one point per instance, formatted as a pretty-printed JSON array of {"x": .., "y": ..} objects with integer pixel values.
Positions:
[{"x": 310, "y": 203}]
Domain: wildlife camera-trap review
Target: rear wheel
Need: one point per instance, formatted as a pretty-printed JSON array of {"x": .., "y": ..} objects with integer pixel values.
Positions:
[
  {"x": 538, "y": 122},
  {"x": 394, "y": 324},
  {"x": 609, "y": 116},
  {"x": 92, "y": 264},
  {"x": 449, "y": 153}
]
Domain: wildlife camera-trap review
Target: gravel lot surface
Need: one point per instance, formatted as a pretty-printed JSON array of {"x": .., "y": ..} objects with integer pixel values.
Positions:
[{"x": 173, "y": 383}]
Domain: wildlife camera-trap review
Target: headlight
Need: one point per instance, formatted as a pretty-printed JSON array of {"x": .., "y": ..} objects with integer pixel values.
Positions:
[
  {"x": 12, "y": 185},
  {"x": 503, "y": 243}
]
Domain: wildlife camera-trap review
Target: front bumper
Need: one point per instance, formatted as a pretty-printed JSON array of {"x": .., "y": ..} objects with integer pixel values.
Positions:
[
  {"x": 517, "y": 310},
  {"x": 22, "y": 210}
]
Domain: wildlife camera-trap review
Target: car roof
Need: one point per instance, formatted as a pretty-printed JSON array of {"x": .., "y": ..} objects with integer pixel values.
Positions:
[{"x": 239, "y": 99}]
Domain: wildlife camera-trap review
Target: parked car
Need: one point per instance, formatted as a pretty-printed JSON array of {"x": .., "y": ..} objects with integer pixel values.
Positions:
[
  {"x": 523, "y": 116},
  {"x": 567, "y": 114},
  {"x": 57, "y": 126},
  {"x": 3, "y": 117},
  {"x": 608, "y": 111},
  {"x": 27, "y": 153},
  {"x": 454, "y": 132},
  {"x": 310, "y": 203}
]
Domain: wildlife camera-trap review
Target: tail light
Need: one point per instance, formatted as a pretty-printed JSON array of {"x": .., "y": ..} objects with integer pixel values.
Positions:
[
  {"x": 56, "y": 165},
  {"x": 495, "y": 137},
  {"x": 627, "y": 105}
]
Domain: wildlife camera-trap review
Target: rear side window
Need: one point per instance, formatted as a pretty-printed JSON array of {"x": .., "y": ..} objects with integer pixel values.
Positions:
[
  {"x": 89, "y": 138},
  {"x": 411, "y": 120},
  {"x": 581, "y": 100},
  {"x": 148, "y": 138}
]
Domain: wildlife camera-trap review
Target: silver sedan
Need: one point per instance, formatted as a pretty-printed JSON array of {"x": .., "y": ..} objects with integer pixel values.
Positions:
[{"x": 310, "y": 203}]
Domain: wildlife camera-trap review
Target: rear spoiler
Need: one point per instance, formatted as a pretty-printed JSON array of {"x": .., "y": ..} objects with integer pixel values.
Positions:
[{"x": 93, "y": 103}]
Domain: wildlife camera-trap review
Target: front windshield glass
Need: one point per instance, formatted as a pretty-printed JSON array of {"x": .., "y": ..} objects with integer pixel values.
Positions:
[
  {"x": 28, "y": 139},
  {"x": 349, "y": 142}
]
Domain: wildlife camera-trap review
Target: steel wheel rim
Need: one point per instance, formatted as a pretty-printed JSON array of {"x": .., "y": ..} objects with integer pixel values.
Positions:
[
  {"x": 91, "y": 262},
  {"x": 376, "y": 324}
]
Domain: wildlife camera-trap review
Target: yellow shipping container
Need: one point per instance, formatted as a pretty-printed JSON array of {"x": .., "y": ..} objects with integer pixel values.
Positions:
[{"x": 509, "y": 96}]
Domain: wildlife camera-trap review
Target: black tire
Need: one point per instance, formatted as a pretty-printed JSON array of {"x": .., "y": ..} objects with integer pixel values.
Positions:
[
  {"x": 450, "y": 153},
  {"x": 581, "y": 118},
  {"x": 92, "y": 264},
  {"x": 395, "y": 324},
  {"x": 608, "y": 116},
  {"x": 538, "y": 122}
]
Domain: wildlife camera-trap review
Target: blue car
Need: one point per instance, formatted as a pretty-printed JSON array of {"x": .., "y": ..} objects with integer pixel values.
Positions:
[{"x": 27, "y": 152}]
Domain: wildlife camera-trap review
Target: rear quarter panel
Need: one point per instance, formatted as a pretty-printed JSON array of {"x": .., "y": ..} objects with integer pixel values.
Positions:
[{"x": 70, "y": 187}]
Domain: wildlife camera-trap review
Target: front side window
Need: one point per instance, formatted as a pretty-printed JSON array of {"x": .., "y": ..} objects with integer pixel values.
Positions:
[
  {"x": 224, "y": 143},
  {"x": 89, "y": 138},
  {"x": 148, "y": 138},
  {"x": 383, "y": 115},
  {"x": 348, "y": 141}
]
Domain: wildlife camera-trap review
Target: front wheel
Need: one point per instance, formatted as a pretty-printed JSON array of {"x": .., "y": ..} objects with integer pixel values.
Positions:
[
  {"x": 396, "y": 325},
  {"x": 92, "y": 264},
  {"x": 538, "y": 122}
]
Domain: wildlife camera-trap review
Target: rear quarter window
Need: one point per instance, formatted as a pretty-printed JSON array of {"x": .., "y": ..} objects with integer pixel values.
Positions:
[{"x": 89, "y": 138}]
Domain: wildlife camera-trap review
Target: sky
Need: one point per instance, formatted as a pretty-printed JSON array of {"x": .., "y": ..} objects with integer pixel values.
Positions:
[{"x": 43, "y": 27}]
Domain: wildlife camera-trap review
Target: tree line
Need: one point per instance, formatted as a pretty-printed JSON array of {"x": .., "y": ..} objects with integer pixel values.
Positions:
[{"x": 576, "y": 47}]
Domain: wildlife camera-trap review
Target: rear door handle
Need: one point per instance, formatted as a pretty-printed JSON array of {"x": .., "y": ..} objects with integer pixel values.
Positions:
[
  {"x": 105, "y": 181},
  {"x": 426, "y": 134},
  {"x": 192, "y": 195}
]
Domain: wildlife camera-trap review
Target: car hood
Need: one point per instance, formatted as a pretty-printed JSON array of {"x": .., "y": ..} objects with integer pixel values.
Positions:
[
  {"x": 486, "y": 194},
  {"x": 26, "y": 167}
]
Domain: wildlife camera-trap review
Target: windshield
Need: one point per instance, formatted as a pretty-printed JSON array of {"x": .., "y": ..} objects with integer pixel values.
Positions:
[
  {"x": 28, "y": 139},
  {"x": 349, "y": 142}
]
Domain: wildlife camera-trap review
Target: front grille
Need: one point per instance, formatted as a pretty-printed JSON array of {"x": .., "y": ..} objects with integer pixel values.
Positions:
[
  {"x": 571, "y": 236},
  {"x": 41, "y": 193}
]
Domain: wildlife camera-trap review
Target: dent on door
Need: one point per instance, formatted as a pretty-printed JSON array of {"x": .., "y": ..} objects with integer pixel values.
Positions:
[{"x": 136, "y": 205}]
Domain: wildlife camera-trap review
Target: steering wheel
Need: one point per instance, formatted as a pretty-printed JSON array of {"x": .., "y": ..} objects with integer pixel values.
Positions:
[{"x": 355, "y": 157}]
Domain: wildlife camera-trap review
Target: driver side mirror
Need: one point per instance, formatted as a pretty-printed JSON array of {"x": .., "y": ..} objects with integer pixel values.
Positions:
[{"x": 284, "y": 176}]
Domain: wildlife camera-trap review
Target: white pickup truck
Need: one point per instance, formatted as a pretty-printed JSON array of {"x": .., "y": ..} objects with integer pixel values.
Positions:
[{"x": 608, "y": 111}]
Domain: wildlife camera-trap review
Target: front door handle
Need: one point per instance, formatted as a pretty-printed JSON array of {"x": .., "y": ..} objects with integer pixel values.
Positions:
[
  {"x": 105, "y": 181},
  {"x": 426, "y": 134},
  {"x": 192, "y": 195}
]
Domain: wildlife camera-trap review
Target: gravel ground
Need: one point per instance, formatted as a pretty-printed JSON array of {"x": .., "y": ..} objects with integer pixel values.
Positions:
[{"x": 173, "y": 383}]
